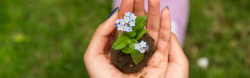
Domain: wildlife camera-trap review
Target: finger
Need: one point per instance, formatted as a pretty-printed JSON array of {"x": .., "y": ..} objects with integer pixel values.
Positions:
[
  {"x": 101, "y": 35},
  {"x": 153, "y": 20},
  {"x": 178, "y": 63},
  {"x": 139, "y": 8},
  {"x": 94, "y": 58},
  {"x": 165, "y": 32},
  {"x": 126, "y": 6}
]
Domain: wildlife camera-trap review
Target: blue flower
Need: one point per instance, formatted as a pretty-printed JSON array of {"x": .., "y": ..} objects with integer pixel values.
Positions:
[
  {"x": 127, "y": 14},
  {"x": 122, "y": 22},
  {"x": 120, "y": 27},
  {"x": 143, "y": 44},
  {"x": 126, "y": 28},
  {"x": 132, "y": 23},
  {"x": 117, "y": 21},
  {"x": 127, "y": 19},
  {"x": 129, "y": 29},
  {"x": 137, "y": 46},
  {"x": 133, "y": 17},
  {"x": 142, "y": 50}
]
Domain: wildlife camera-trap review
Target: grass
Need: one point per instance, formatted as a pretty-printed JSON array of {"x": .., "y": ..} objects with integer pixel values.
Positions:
[
  {"x": 47, "y": 38},
  {"x": 219, "y": 30}
]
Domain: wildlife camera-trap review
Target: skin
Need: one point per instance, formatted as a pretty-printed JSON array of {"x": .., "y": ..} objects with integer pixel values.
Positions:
[{"x": 169, "y": 60}]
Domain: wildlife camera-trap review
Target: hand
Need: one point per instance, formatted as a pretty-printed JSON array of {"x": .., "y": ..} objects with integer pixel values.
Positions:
[{"x": 168, "y": 61}]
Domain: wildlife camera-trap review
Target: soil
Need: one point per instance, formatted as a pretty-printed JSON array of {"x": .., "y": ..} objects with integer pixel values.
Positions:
[{"x": 125, "y": 63}]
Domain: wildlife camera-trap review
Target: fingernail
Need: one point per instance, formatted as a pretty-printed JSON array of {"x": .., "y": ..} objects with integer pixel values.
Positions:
[
  {"x": 166, "y": 7},
  {"x": 113, "y": 12}
]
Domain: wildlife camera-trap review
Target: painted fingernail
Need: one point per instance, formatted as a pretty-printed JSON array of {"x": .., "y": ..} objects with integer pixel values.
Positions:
[
  {"x": 166, "y": 7},
  {"x": 113, "y": 12}
]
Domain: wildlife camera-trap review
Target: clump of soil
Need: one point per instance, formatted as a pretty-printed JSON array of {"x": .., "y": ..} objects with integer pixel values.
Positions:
[{"x": 124, "y": 61}]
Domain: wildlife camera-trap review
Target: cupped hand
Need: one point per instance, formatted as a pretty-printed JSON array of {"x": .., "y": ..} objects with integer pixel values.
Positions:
[{"x": 169, "y": 60}]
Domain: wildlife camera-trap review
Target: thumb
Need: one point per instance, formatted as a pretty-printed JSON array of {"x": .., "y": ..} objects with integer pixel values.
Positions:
[
  {"x": 178, "y": 63},
  {"x": 101, "y": 35}
]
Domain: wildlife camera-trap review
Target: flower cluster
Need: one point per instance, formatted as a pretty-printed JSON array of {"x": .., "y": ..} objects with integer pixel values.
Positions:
[
  {"x": 141, "y": 46},
  {"x": 126, "y": 23}
]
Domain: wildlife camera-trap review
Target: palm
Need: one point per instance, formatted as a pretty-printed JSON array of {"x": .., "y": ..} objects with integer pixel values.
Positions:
[{"x": 157, "y": 63}]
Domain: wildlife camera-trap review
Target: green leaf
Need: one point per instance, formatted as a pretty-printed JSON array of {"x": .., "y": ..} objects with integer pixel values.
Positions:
[
  {"x": 131, "y": 34},
  {"x": 134, "y": 41},
  {"x": 121, "y": 42},
  {"x": 137, "y": 56},
  {"x": 140, "y": 34},
  {"x": 140, "y": 22},
  {"x": 128, "y": 49}
]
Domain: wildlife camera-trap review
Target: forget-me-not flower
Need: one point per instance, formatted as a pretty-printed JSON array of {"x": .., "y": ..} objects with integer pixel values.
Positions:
[
  {"x": 126, "y": 23},
  {"x": 142, "y": 50},
  {"x": 127, "y": 14},
  {"x": 137, "y": 46},
  {"x": 126, "y": 28},
  {"x": 133, "y": 17},
  {"x": 117, "y": 21},
  {"x": 122, "y": 21},
  {"x": 129, "y": 29},
  {"x": 132, "y": 23},
  {"x": 143, "y": 44},
  {"x": 120, "y": 27},
  {"x": 127, "y": 19}
]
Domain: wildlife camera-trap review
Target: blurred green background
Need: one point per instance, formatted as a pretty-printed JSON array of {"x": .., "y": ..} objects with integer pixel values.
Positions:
[{"x": 47, "y": 38}]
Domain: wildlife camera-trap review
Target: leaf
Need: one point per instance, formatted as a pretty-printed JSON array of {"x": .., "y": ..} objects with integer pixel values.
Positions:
[
  {"x": 140, "y": 22},
  {"x": 131, "y": 34},
  {"x": 121, "y": 42},
  {"x": 137, "y": 56},
  {"x": 140, "y": 34},
  {"x": 134, "y": 41},
  {"x": 128, "y": 49}
]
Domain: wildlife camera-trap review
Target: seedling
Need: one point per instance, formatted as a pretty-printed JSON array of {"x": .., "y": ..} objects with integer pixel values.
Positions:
[{"x": 127, "y": 42}]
